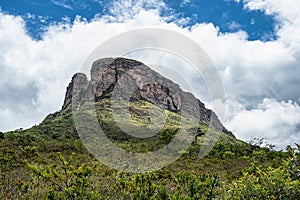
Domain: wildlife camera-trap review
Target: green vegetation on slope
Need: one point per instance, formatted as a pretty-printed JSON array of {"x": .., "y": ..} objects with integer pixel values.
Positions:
[
  {"x": 49, "y": 161},
  {"x": 35, "y": 167}
]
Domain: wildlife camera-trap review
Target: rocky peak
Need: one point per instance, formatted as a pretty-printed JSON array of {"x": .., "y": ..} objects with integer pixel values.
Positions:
[
  {"x": 81, "y": 81},
  {"x": 107, "y": 73},
  {"x": 134, "y": 81}
]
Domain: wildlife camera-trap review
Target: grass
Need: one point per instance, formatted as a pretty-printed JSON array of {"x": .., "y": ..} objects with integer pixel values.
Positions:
[{"x": 36, "y": 163}]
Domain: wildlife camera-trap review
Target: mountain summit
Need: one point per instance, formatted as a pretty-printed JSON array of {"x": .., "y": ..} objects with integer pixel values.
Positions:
[{"x": 131, "y": 81}]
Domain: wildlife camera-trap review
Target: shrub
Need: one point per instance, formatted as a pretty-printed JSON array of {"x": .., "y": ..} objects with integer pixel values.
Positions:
[
  {"x": 1, "y": 135},
  {"x": 269, "y": 183},
  {"x": 66, "y": 181}
]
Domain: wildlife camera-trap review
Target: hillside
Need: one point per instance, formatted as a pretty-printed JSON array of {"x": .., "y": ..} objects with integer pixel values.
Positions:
[
  {"x": 138, "y": 111},
  {"x": 125, "y": 81}
]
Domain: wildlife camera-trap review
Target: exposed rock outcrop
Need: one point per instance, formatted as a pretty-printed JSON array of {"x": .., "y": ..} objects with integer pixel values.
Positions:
[{"x": 134, "y": 81}]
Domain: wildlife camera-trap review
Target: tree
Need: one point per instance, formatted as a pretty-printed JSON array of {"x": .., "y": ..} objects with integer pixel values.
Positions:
[
  {"x": 167, "y": 135},
  {"x": 1, "y": 135},
  {"x": 260, "y": 182}
]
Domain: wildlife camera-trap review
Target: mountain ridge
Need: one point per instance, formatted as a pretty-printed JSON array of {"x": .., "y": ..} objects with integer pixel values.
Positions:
[{"x": 135, "y": 81}]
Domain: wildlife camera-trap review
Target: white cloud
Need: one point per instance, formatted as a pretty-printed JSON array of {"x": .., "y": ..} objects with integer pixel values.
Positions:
[
  {"x": 234, "y": 26},
  {"x": 62, "y": 4},
  {"x": 277, "y": 121},
  {"x": 122, "y": 10},
  {"x": 287, "y": 14},
  {"x": 34, "y": 74},
  {"x": 71, "y": 4}
]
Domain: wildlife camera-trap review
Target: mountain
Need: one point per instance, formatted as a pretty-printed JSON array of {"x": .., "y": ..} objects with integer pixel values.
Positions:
[
  {"x": 142, "y": 113},
  {"x": 130, "y": 81}
]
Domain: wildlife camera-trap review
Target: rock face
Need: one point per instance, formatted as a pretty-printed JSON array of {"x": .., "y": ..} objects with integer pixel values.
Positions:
[
  {"x": 81, "y": 81},
  {"x": 132, "y": 80}
]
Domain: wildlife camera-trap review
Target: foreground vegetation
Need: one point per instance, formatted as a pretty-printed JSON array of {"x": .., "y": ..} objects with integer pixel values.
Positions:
[
  {"x": 36, "y": 167},
  {"x": 49, "y": 161}
]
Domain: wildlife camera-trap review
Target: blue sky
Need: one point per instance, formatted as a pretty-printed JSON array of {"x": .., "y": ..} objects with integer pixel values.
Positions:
[
  {"x": 228, "y": 15},
  {"x": 254, "y": 44}
]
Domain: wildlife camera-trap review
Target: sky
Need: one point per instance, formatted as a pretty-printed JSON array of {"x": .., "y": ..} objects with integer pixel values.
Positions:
[{"x": 254, "y": 44}]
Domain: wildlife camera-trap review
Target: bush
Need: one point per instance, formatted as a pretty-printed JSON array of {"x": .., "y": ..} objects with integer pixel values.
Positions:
[
  {"x": 1, "y": 135},
  {"x": 269, "y": 183},
  {"x": 66, "y": 181},
  {"x": 151, "y": 186}
]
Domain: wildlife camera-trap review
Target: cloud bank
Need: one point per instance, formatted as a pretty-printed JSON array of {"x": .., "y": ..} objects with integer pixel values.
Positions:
[{"x": 261, "y": 79}]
